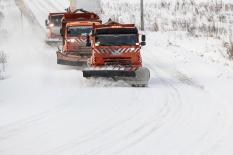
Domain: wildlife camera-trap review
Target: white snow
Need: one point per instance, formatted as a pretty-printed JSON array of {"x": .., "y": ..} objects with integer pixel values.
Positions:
[
  {"x": 92, "y": 5},
  {"x": 48, "y": 109},
  {"x": 41, "y": 8}
]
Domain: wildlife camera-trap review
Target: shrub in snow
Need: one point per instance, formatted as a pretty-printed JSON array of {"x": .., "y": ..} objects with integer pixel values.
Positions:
[
  {"x": 3, "y": 61},
  {"x": 230, "y": 49},
  {"x": 1, "y": 18}
]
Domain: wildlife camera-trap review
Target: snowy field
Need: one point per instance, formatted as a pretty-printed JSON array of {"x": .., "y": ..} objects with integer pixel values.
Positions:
[
  {"x": 213, "y": 18},
  {"x": 47, "y": 109}
]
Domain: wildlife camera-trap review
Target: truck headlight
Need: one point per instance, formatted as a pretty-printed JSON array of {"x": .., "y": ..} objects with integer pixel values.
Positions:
[
  {"x": 71, "y": 40},
  {"x": 51, "y": 25},
  {"x": 97, "y": 44}
]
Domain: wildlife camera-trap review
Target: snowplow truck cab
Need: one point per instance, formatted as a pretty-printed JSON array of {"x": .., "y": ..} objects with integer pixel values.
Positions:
[
  {"x": 53, "y": 25},
  {"x": 116, "y": 54},
  {"x": 75, "y": 30}
]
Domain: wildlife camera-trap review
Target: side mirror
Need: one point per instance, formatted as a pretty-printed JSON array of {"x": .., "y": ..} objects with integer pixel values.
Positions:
[
  {"x": 88, "y": 41},
  {"x": 46, "y": 23},
  {"x": 143, "y": 38},
  {"x": 143, "y": 43},
  {"x": 62, "y": 32}
]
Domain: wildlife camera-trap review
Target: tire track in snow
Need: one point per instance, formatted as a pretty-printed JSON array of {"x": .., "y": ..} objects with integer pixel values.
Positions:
[
  {"x": 9, "y": 130},
  {"x": 189, "y": 111},
  {"x": 179, "y": 76},
  {"x": 154, "y": 124},
  {"x": 20, "y": 126},
  {"x": 94, "y": 134}
]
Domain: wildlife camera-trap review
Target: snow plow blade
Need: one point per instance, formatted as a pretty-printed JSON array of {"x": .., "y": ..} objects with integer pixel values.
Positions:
[
  {"x": 138, "y": 77},
  {"x": 54, "y": 42},
  {"x": 108, "y": 73},
  {"x": 71, "y": 60}
]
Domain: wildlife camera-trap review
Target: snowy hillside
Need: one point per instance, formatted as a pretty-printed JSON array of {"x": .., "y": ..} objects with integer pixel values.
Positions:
[
  {"x": 47, "y": 109},
  {"x": 211, "y": 18}
]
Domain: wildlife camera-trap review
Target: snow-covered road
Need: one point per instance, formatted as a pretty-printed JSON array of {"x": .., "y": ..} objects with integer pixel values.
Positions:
[{"x": 46, "y": 109}]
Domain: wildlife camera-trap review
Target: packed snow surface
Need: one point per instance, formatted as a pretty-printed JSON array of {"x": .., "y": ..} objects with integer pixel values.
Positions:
[{"x": 47, "y": 109}]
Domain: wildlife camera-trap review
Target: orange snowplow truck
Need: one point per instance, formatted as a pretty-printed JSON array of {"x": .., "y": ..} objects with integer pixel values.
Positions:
[
  {"x": 75, "y": 30},
  {"x": 116, "y": 54},
  {"x": 53, "y": 26}
]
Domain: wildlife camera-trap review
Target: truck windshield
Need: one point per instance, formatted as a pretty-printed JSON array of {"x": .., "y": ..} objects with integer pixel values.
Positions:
[
  {"x": 116, "y": 39},
  {"x": 79, "y": 30},
  {"x": 56, "y": 20}
]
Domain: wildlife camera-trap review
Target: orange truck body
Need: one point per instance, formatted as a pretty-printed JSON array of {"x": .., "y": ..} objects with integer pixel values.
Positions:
[
  {"x": 116, "y": 53},
  {"x": 75, "y": 30},
  {"x": 53, "y": 25},
  {"x": 125, "y": 55}
]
